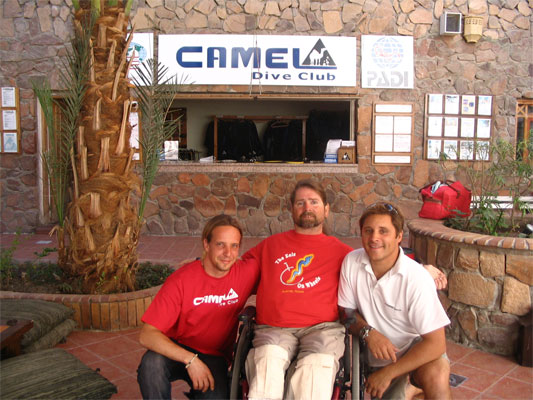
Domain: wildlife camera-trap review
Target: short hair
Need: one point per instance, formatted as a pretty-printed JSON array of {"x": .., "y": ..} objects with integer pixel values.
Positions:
[
  {"x": 310, "y": 184},
  {"x": 383, "y": 208},
  {"x": 220, "y": 220}
]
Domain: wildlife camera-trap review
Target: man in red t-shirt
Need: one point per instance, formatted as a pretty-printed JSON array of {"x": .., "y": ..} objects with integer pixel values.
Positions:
[
  {"x": 191, "y": 325},
  {"x": 297, "y": 304}
]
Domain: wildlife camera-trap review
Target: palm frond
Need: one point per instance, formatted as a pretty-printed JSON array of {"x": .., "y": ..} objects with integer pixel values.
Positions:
[
  {"x": 155, "y": 93},
  {"x": 73, "y": 78}
]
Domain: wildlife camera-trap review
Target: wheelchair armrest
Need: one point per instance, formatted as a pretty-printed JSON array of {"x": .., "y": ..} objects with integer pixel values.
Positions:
[
  {"x": 348, "y": 318},
  {"x": 247, "y": 314}
]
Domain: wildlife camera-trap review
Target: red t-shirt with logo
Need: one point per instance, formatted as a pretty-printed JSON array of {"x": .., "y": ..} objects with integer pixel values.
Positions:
[
  {"x": 299, "y": 278},
  {"x": 201, "y": 311}
]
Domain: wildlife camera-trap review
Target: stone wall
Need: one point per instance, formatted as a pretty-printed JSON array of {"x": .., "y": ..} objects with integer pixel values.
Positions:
[
  {"x": 181, "y": 202},
  {"x": 490, "y": 282},
  {"x": 33, "y": 35}
]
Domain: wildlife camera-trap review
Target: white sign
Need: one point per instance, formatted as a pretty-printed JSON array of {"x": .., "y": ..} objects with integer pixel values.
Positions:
[
  {"x": 8, "y": 97},
  {"x": 141, "y": 48},
  {"x": 387, "y": 62},
  {"x": 261, "y": 59}
]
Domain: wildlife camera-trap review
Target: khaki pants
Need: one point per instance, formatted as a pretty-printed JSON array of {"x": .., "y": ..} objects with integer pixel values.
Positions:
[{"x": 315, "y": 351}]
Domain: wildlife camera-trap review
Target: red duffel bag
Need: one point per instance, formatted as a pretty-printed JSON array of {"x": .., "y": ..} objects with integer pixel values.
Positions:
[{"x": 445, "y": 199}]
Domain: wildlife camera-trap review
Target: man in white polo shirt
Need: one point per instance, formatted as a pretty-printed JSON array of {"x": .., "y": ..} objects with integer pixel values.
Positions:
[{"x": 400, "y": 317}]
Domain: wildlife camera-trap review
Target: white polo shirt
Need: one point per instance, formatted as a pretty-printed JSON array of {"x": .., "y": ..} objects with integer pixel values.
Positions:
[{"x": 402, "y": 305}]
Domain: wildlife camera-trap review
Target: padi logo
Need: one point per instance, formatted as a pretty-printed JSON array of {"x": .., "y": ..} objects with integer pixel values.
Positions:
[
  {"x": 138, "y": 52},
  {"x": 221, "y": 300}
]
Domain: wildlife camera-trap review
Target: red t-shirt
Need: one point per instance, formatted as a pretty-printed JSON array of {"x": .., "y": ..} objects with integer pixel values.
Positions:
[
  {"x": 299, "y": 278},
  {"x": 201, "y": 311}
]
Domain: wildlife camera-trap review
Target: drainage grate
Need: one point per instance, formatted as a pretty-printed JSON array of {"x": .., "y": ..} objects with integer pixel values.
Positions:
[{"x": 457, "y": 380}]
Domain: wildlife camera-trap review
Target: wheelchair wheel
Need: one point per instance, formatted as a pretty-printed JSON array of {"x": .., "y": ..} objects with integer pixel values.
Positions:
[
  {"x": 237, "y": 372},
  {"x": 357, "y": 389}
]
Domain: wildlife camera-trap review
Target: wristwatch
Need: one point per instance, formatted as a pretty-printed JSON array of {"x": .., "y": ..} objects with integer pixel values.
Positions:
[{"x": 363, "y": 333}]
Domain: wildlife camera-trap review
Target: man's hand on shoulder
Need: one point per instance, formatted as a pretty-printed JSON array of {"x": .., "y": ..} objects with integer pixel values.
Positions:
[
  {"x": 201, "y": 376},
  {"x": 380, "y": 347},
  {"x": 438, "y": 276}
]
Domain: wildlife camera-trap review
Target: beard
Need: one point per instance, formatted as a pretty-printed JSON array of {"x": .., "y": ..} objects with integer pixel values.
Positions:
[{"x": 307, "y": 220}]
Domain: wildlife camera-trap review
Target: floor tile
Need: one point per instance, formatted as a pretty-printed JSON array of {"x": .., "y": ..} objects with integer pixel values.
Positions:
[
  {"x": 128, "y": 362},
  {"x": 113, "y": 347},
  {"x": 85, "y": 338},
  {"x": 84, "y": 355},
  {"x": 108, "y": 370},
  {"x": 522, "y": 374},
  {"x": 488, "y": 362},
  {"x": 477, "y": 379},
  {"x": 456, "y": 352},
  {"x": 128, "y": 389},
  {"x": 512, "y": 389},
  {"x": 463, "y": 393}
]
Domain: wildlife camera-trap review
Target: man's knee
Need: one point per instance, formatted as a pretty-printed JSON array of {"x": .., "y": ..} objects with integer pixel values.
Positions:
[
  {"x": 265, "y": 368},
  {"x": 434, "y": 377},
  {"x": 313, "y": 377},
  {"x": 152, "y": 363}
]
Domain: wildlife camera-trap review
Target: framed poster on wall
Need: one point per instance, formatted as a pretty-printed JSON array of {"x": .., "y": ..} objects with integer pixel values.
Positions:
[
  {"x": 392, "y": 133},
  {"x": 457, "y": 127},
  {"x": 9, "y": 120}
]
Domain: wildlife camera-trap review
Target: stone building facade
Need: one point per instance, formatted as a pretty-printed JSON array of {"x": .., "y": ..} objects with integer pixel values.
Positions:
[{"x": 32, "y": 39}]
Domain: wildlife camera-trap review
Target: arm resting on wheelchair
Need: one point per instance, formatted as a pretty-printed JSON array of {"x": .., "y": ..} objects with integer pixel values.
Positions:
[
  {"x": 247, "y": 314},
  {"x": 347, "y": 317}
]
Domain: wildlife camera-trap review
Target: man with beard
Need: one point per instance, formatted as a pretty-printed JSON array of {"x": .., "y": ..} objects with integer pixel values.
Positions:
[{"x": 297, "y": 316}]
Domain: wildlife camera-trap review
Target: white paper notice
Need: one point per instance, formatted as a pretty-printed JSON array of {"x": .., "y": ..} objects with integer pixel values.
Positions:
[
  {"x": 402, "y": 143},
  {"x": 435, "y": 126},
  {"x": 467, "y": 127},
  {"x": 434, "y": 149},
  {"x": 9, "y": 120},
  {"x": 392, "y": 159},
  {"x": 383, "y": 143},
  {"x": 8, "y": 97},
  {"x": 483, "y": 128},
  {"x": 451, "y": 126},
  {"x": 402, "y": 124},
  {"x": 450, "y": 149},
  {"x": 384, "y": 123},
  {"x": 466, "y": 150},
  {"x": 10, "y": 142},
  {"x": 484, "y": 105},
  {"x": 435, "y": 104},
  {"x": 451, "y": 106}
]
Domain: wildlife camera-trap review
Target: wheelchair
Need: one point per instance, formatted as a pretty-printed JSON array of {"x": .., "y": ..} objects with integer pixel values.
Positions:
[{"x": 348, "y": 381}]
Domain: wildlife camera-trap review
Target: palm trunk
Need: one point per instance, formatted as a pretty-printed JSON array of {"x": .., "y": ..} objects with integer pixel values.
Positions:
[{"x": 102, "y": 223}]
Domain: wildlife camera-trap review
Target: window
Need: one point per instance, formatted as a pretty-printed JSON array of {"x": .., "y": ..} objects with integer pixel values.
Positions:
[{"x": 524, "y": 124}]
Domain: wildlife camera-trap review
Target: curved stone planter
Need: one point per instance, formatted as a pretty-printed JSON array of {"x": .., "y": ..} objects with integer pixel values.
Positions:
[
  {"x": 490, "y": 282},
  {"x": 102, "y": 312}
]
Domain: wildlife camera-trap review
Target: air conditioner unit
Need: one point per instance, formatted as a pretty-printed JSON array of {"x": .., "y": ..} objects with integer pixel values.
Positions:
[{"x": 450, "y": 23}]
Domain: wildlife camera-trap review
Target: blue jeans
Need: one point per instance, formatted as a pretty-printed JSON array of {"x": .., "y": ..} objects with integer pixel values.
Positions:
[{"x": 156, "y": 372}]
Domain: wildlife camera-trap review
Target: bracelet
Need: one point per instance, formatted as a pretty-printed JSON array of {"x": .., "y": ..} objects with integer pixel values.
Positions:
[{"x": 190, "y": 361}]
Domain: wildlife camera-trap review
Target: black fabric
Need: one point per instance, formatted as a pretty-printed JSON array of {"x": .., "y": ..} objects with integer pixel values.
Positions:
[
  {"x": 156, "y": 372},
  {"x": 46, "y": 315},
  {"x": 282, "y": 141},
  {"x": 51, "y": 374},
  {"x": 237, "y": 140},
  {"x": 323, "y": 126}
]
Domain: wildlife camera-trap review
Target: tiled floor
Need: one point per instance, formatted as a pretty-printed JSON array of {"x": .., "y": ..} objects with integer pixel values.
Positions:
[{"x": 117, "y": 354}]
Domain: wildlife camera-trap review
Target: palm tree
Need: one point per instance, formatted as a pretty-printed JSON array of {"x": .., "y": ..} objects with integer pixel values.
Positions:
[
  {"x": 98, "y": 231},
  {"x": 90, "y": 159}
]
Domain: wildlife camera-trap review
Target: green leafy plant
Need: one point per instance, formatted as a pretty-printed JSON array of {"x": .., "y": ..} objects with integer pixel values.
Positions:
[
  {"x": 509, "y": 173},
  {"x": 155, "y": 93},
  {"x": 149, "y": 275},
  {"x": 59, "y": 157}
]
